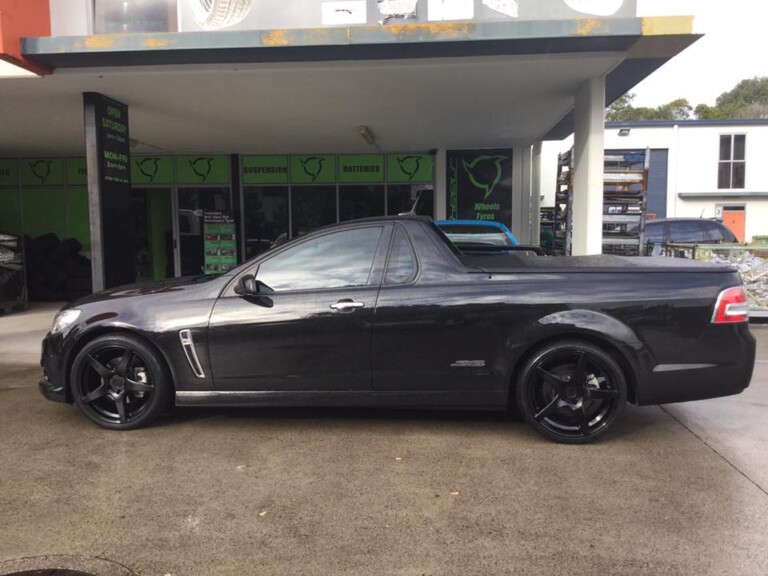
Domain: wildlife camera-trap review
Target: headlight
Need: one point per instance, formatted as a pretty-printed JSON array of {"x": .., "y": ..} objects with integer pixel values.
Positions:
[{"x": 64, "y": 319}]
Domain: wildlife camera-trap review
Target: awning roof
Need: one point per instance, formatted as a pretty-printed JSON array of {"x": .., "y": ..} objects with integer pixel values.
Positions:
[{"x": 418, "y": 86}]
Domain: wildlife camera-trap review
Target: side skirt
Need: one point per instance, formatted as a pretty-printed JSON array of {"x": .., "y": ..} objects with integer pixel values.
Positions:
[{"x": 437, "y": 399}]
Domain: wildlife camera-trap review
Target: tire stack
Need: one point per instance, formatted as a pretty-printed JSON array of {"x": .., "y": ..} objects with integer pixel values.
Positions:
[{"x": 56, "y": 271}]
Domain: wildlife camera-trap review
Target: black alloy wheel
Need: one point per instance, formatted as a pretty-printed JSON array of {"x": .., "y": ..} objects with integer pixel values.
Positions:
[
  {"x": 571, "y": 392},
  {"x": 119, "y": 382}
]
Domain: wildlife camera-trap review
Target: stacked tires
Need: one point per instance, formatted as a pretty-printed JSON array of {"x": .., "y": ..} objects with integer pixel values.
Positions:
[{"x": 56, "y": 271}]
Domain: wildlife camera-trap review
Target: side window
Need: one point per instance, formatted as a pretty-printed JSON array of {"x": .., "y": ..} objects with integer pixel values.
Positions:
[
  {"x": 402, "y": 264},
  {"x": 687, "y": 232},
  {"x": 715, "y": 233},
  {"x": 654, "y": 233},
  {"x": 335, "y": 260}
]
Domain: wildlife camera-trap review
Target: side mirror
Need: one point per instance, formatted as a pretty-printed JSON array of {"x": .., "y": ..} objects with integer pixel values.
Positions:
[{"x": 247, "y": 286}]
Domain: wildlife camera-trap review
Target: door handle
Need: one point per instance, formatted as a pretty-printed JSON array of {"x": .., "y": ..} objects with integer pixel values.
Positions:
[{"x": 347, "y": 305}]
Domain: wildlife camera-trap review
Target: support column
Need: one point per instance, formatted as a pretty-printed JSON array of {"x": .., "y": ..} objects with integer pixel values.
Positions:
[
  {"x": 589, "y": 150},
  {"x": 536, "y": 193}
]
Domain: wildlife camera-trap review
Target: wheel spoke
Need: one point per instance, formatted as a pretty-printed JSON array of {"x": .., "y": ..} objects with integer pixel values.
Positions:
[
  {"x": 100, "y": 392},
  {"x": 550, "y": 379},
  {"x": 125, "y": 360},
  {"x": 134, "y": 386},
  {"x": 549, "y": 408},
  {"x": 120, "y": 403},
  {"x": 583, "y": 421},
  {"x": 580, "y": 373},
  {"x": 100, "y": 369},
  {"x": 599, "y": 393}
]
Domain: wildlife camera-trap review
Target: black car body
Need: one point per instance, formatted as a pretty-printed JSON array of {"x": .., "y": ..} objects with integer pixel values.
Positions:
[{"x": 386, "y": 312}]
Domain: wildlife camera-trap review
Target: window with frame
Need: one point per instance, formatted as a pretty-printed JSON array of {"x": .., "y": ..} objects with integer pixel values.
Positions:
[
  {"x": 402, "y": 263},
  {"x": 335, "y": 260},
  {"x": 732, "y": 164}
]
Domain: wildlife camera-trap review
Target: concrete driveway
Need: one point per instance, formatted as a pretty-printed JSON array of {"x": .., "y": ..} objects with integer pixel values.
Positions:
[{"x": 676, "y": 490}]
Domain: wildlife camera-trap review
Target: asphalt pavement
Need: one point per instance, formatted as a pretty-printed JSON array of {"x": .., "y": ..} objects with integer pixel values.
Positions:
[{"x": 673, "y": 490}]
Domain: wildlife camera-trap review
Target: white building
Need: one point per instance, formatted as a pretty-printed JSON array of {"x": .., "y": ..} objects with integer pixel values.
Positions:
[{"x": 697, "y": 169}]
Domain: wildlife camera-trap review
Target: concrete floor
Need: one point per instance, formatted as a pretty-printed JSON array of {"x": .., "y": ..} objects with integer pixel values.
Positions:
[{"x": 676, "y": 490}]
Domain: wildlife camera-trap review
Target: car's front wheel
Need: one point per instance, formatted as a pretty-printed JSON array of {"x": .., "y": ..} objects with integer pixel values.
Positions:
[
  {"x": 571, "y": 391},
  {"x": 119, "y": 382}
]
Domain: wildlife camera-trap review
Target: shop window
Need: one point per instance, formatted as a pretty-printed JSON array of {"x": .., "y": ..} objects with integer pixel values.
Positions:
[
  {"x": 265, "y": 217},
  {"x": 405, "y": 197},
  {"x": 311, "y": 208},
  {"x": 119, "y": 16},
  {"x": 732, "y": 165},
  {"x": 361, "y": 201}
]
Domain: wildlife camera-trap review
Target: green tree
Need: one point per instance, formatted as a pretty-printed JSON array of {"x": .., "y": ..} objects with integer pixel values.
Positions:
[
  {"x": 748, "y": 99},
  {"x": 622, "y": 110}
]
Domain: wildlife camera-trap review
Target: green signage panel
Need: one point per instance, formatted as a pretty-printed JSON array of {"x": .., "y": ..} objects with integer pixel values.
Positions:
[
  {"x": 219, "y": 241},
  {"x": 265, "y": 169},
  {"x": 313, "y": 169},
  {"x": 361, "y": 169},
  {"x": 77, "y": 174},
  {"x": 9, "y": 172},
  {"x": 147, "y": 170},
  {"x": 42, "y": 171},
  {"x": 202, "y": 169},
  {"x": 410, "y": 168}
]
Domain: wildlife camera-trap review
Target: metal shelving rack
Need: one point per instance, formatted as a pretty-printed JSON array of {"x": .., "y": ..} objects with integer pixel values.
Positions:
[
  {"x": 625, "y": 197},
  {"x": 562, "y": 216}
]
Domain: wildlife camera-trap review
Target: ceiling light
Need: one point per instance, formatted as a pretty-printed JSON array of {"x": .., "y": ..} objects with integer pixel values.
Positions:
[{"x": 367, "y": 135}]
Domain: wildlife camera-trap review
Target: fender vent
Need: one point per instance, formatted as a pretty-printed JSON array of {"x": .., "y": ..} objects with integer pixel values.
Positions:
[{"x": 189, "y": 350}]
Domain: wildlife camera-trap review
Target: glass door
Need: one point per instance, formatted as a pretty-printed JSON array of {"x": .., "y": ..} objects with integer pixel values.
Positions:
[
  {"x": 153, "y": 233},
  {"x": 192, "y": 201}
]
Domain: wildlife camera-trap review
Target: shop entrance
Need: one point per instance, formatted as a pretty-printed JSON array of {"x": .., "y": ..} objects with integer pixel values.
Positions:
[{"x": 153, "y": 233}]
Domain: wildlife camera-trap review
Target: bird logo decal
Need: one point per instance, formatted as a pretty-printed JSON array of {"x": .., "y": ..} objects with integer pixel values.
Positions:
[
  {"x": 41, "y": 169},
  {"x": 149, "y": 167},
  {"x": 485, "y": 172},
  {"x": 312, "y": 166},
  {"x": 202, "y": 167},
  {"x": 409, "y": 165}
]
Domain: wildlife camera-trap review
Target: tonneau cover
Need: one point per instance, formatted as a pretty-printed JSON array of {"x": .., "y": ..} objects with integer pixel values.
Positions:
[{"x": 508, "y": 263}]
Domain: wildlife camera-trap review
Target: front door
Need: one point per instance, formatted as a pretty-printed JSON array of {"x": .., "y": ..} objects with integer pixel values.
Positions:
[
  {"x": 311, "y": 327},
  {"x": 735, "y": 219}
]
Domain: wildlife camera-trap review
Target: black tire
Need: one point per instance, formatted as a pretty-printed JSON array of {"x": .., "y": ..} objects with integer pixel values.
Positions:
[
  {"x": 119, "y": 382},
  {"x": 571, "y": 391}
]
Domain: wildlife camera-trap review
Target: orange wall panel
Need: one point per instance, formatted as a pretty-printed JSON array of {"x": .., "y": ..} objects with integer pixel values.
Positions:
[{"x": 19, "y": 19}]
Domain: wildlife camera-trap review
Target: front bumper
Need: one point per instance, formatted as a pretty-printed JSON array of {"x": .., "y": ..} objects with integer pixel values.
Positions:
[{"x": 53, "y": 383}]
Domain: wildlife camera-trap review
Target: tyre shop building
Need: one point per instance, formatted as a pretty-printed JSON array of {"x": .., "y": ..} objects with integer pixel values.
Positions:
[{"x": 289, "y": 115}]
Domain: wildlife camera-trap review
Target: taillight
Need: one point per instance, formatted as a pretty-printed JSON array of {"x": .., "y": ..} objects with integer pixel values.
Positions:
[{"x": 731, "y": 306}]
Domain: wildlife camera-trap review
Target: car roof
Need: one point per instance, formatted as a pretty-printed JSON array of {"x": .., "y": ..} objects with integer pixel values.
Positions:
[{"x": 661, "y": 220}]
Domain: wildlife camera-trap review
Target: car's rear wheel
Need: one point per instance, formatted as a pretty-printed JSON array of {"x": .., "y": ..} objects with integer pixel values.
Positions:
[
  {"x": 571, "y": 391},
  {"x": 119, "y": 382}
]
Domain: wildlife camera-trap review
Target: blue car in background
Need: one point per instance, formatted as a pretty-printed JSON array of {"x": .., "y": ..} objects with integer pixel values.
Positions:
[
  {"x": 477, "y": 232},
  {"x": 483, "y": 237}
]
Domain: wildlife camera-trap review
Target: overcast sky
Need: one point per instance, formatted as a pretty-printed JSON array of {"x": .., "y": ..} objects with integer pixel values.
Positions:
[{"x": 733, "y": 48}]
